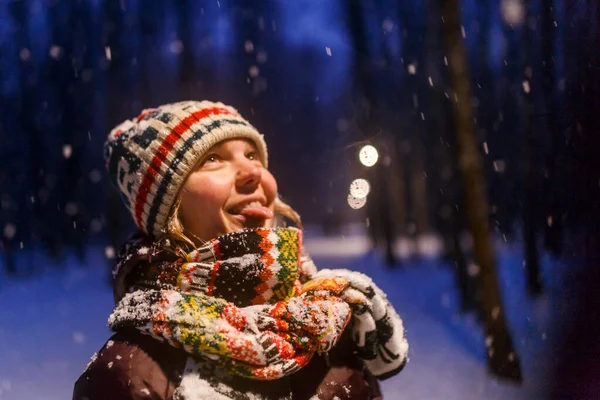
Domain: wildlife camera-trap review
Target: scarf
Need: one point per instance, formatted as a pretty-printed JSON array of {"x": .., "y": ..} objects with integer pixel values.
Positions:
[{"x": 253, "y": 303}]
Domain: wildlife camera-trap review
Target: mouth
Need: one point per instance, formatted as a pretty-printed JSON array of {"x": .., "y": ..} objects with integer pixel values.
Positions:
[{"x": 251, "y": 214}]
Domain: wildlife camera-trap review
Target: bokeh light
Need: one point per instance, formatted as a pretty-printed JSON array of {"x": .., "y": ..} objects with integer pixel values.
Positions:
[
  {"x": 368, "y": 156},
  {"x": 360, "y": 188},
  {"x": 355, "y": 202},
  {"x": 513, "y": 11}
]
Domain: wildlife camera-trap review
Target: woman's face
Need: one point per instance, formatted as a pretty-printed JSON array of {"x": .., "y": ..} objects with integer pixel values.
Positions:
[{"x": 229, "y": 190}]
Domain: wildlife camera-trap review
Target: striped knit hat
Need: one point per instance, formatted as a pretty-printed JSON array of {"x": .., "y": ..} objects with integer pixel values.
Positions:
[{"x": 149, "y": 158}]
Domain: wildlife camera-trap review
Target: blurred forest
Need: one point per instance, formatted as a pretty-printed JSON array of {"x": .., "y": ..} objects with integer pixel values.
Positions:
[{"x": 483, "y": 115}]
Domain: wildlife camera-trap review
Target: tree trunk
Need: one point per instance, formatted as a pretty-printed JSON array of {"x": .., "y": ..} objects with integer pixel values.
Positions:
[
  {"x": 531, "y": 204},
  {"x": 398, "y": 186},
  {"x": 442, "y": 168},
  {"x": 501, "y": 356},
  {"x": 576, "y": 373},
  {"x": 553, "y": 229},
  {"x": 419, "y": 187}
]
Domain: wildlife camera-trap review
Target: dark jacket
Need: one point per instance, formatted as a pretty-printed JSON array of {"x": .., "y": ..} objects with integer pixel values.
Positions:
[{"x": 134, "y": 366}]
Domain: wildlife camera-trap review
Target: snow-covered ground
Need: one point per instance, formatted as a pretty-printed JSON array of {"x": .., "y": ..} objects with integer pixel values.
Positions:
[{"x": 51, "y": 324}]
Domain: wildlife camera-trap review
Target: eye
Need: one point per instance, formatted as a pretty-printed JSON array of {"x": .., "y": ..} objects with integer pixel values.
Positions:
[
  {"x": 210, "y": 159},
  {"x": 253, "y": 156}
]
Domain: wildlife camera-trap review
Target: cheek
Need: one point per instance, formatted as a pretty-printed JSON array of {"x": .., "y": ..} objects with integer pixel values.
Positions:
[
  {"x": 201, "y": 194},
  {"x": 193, "y": 201},
  {"x": 269, "y": 185}
]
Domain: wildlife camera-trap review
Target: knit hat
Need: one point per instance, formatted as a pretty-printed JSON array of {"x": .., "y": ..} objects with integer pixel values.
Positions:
[{"x": 149, "y": 158}]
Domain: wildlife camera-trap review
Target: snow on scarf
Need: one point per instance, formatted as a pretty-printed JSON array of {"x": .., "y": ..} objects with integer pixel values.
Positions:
[{"x": 251, "y": 302}]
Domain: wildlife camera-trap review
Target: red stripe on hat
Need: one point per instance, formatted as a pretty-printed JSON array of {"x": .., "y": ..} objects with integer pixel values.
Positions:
[{"x": 164, "y": 149}]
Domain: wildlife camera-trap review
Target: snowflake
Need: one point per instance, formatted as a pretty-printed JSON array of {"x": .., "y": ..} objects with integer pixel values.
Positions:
[
  {"x": 94, "y": 358},
  {"x": 78, "y": 337}
]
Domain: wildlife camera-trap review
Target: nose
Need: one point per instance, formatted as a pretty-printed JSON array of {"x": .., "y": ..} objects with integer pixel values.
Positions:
[{"x": 248, "y": 175}]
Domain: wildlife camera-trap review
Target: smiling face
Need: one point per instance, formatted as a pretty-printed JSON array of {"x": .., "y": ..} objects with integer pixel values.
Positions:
[{"x": 229, "y": 190}]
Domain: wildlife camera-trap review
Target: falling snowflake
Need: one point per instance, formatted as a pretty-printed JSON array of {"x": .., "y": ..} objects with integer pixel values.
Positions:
[
  {"x": 513, "y": 11},
  {"x": 55, "y": 51},
  {"x": 176, "y": 47},
  {"x": 495, "y": 312},
  {"x": 499, "y": 166},
  {"x": 71, "y": 209},
  {"x": 67, "y": 151},
  {"x": 261, "y": 57},
  {"x": 78, "y": 337},
  {"x": 25, "y": 54},
  {"x": 95, "y": 176},
  {"x": 253, "y": 71},
  {"x": 109, "y": 252},
  {"x": 9, "y": 231},
  {"x": 96, "y": 225},
  {"x": 473, "y": 269}
]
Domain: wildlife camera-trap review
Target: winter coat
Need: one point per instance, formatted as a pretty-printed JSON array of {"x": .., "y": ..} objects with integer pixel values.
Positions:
[{"x": 135, "y": 366}]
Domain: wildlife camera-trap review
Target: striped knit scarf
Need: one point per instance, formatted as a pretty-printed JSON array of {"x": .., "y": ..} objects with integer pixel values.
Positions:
[{"x": 252, "y": 303}]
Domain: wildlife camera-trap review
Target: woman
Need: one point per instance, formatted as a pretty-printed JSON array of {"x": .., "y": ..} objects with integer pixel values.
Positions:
[{"x": 213, "y": 300}]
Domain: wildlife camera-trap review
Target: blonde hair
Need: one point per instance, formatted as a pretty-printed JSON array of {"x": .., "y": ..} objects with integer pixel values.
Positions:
[{"x": 182, "y": 244}]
